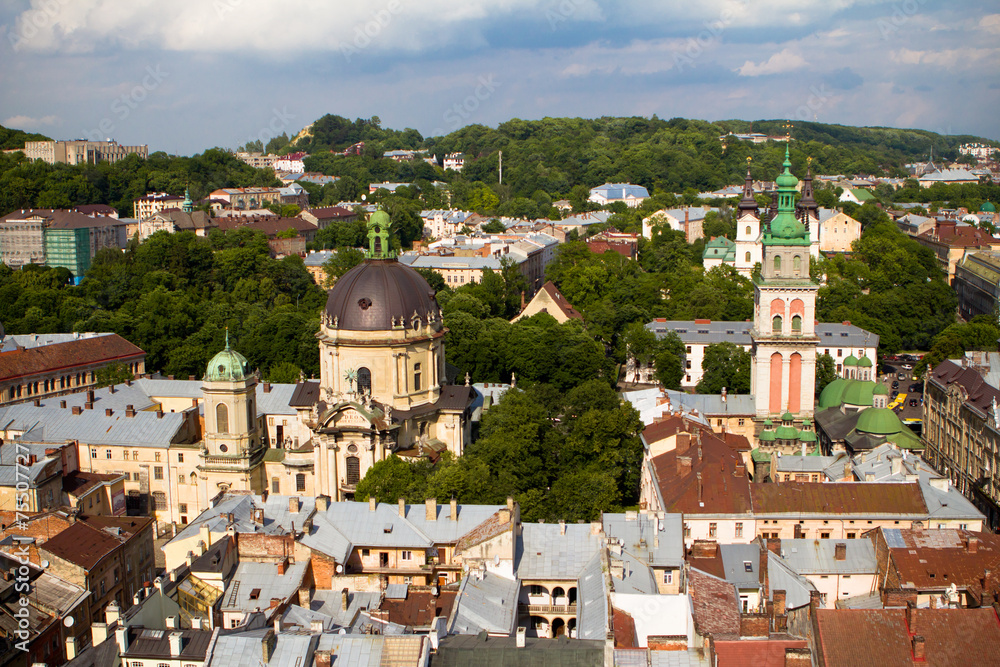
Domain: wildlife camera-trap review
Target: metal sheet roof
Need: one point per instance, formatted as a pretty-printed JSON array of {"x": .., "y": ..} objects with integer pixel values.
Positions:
[
  {"x": 485, "y": 602},
  {"x": 255, "y": 584},
  {"x": 592, "y": 601},
  {"x": 547, "y": 554},
  {"x": 92, "y": 427},
  {"x": 819, "y": 556}
]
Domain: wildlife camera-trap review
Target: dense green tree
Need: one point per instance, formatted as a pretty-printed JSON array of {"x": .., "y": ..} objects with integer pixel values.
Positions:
[
  {"x": 826, "y": 371},
  {"x": 725, "y": 365}
]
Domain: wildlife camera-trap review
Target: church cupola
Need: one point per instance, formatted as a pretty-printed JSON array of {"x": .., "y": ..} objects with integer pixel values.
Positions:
[
  {"x": 807, "y": 208},
  {"x": 748, "y": 204},
  {"x": 230, "y": 392}
]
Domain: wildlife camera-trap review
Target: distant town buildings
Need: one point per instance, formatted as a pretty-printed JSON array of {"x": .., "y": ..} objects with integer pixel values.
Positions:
[
  {"x": 56, "y": 237},
  {"x": 609, "y": 193},
  {"x": 80, "y": 151},
  {"x": 978, "y": 151}
]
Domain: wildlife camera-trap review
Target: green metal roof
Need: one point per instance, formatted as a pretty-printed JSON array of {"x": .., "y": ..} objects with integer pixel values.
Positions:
[
  {"x": 865, "y": 362},
  {"x": 987, "y": 207},
  {"x": 880, "y": 390},
  {"x": 879, "y": 421},
  {"x": 859, "y": 392},
  {"x": 228, "y": 366},
  {"x": 786, "y": 433},
  {"x": 760, "y": 456},
  {"x": 851, "y": 360},
  {"x": 832, "y": 393},
  {"x": 766, "y": 436}
]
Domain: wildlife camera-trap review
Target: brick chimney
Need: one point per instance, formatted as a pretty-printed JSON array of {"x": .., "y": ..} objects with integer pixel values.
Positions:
[
  {"x": 779, "y": 602},
  {"x": 130, "y": 411},
  {"x": 402, "y": 507},
  {"x": 294, "y": 505},
  {"x": 701, "y": 489},
  {"x": 267, "y": 645},
  {"x": 704, "y": 549},
  {"x": 77, "y": 410},
  {"x": 774, "y": 545},
  {"x": 108, "y": 412},
  {"x": 431, "y": 509},
  {"x": 919, "y": 650},
  {"x": 798, "y": 657},
  {"x": 323, "y": 658},
  {"x": 683, "y": 465},
  {"x": 973, "y": 545},
  {"x": 911, "y": 618},
  {"x": 840, "y": 551},
  {"x": 453, "y": 506}
]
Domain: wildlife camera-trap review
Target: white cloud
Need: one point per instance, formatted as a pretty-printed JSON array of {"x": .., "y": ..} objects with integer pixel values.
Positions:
[
  {"x": 785, "y": 60},
  {"x": 990, "y": 24},
  {"x": 29, "y": 123}
]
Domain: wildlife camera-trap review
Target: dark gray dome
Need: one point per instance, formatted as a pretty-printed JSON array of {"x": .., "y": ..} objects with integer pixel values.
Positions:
[{"x": 378, "y": 292}]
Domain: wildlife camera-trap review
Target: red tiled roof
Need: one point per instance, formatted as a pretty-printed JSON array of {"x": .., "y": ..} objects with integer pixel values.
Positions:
[
  {"x": 272, "y": 226},
  {"x": 881, "y": 638},
  {"x": 554, "y": 293},
  {"x": 724, "y": 490},
  {"x": 331, "y": 212},
  {"x": 73, "y": 354},
  {"x": 819, "y": 498},
  {"x": 715, "y": 605},
  {"x": 82, "y": 545},
  {"x": 756, "y": 652}
]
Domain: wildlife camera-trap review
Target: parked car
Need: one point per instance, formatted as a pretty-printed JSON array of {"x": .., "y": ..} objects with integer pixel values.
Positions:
[
  {"x": 901, "y": 376},
  {"x": 913, "y": 402},
  {"x": 916, "y": 386},
  {"x": 895, "y": 384}
]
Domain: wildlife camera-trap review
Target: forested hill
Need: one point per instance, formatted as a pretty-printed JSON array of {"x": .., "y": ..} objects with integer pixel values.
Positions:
[
  {"x": 15, "y": 138},
  {"x": 554, "y": 154}
]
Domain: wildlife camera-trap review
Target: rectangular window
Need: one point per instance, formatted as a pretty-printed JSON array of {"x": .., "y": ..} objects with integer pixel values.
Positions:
[
  {"x": 668, "y": 577},
  {"x": 713, "y": 530},
  {"x": 824, "y": 536},
  {"x": 416, "y": 377},
  {"x": 135, "y": 455},
  {"x": 93, "y": 453},
  {"x": 107, "y": 453},
  {"x": 364, "y": 553},
  {"x": 156, "y": 457},
  {"x": 135, "y": 477},
  {"x": 183, "y": 508},
  {"x": 180, "y": 458},
  {"x": 687, "y": 530},
  {"x": 157, "y": 472},
  {"x": 125, "y": 454},
  {"x": 739, "y": 529},
  {"x": 275, "y": 485},
  {"x": 407, "y": 555}
]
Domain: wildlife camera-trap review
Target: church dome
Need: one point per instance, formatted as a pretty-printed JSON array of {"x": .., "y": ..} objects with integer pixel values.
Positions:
[
  {"x": 228, "y": 366},
  {"x": 987, "y": 207},
  {"x": 786, "y": 226},
  {"x": 378, "y": 293},
  {"x": 880, "y": 390},
  {"x": 851, "y": 360},
  {"x": 832, "y": 393},
  {"x": 879, "y": 421},
  {"x": 865, "y": 362},
  {"x": 786, "y": 433},
  {"x": 859, "y": 393}
]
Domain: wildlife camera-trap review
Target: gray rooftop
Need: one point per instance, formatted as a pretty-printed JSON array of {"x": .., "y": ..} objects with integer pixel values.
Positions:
[
  {"x": 485, "y": 602},
  {"x": 449, "y": 262},
  {"x": 658, "y": 542},
  {"x": 592, "y": 601},
  {"x": 783, "y": 578},
  {"x": 797, "y": 463},
  {"x": 330, "y": 603},
  {"x": 741, "y": 564},
  {"x": 27, "y": 341},
  {"x": 818, "y": 556},
  {"x": 243, "y": 649},
  {"x": 831, "y": 334},
  {"x": 278, "y": 517},
  {"x": 547, "y": 554},
  {"x": 91, "y": 427},
  {"x": 254, "y": 585}
]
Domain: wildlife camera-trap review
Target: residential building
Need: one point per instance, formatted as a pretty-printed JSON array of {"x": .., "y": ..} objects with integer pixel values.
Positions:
[
  {"x": 730, "y": 415},
  {"x": 951, "y": 241},
  {"x": 447, "y": 223},
  {"x": 838, "y": 569},
  {"x": 69, "y": 363},
  {"x": 626, "y": 245},
  {"x": 947, "y": 177},
  {"x": 960, "y": 430},
  {"x": 856, "y": 196},
  {"x": 292, "y": 162},
  {"x": 978, "y": 151},
  {"x": 454, "y": 161},
  {"x": 977, "y": 283},
  {"x": 175, "y": 220},
  {"x": 81, "y": 151},
  {"x": 688, "y": 219},
  {"x": 328, "y": 215},
  {"x": 249, "y": 198},
  {"x": 840, "y": 341},
  {"x": 549, "y": 300},
  {"x": 146, "y": 206},
  {"x": 57, "y": 238},
  {"x": 632, "y": 195},
  {"x": 258, "y": 160},
  {"x": 837, "y": 231}
]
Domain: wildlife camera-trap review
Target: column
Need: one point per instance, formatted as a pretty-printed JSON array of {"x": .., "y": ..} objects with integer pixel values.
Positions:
[
  {"x": 786, "y": 360},
  {"x": 333, "y": 484}
]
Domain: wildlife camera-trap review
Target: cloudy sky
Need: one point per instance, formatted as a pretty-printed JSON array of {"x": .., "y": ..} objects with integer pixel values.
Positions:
[{"x": 185, "y": 75}]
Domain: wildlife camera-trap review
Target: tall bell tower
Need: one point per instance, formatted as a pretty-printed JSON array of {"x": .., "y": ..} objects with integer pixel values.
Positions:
[{"x": 783, "y": 338}]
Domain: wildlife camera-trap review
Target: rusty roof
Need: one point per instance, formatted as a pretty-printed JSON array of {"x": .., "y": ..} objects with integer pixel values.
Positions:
[
  {"x": 624, "y": 629},
  {"x": 72, "y": 354},
  {"x": 419, "y": 609},
  {"x": 715, "y": 605},
  {"x": 124, "y": 526},
  {"x": 881, "y": 637},
  {"x": 714, "y": 483},
  {"x": 82, "y": 545},
  {"x": 888, "y": 499},
  {"x": 980, "y": 394},
  {"x": 755, "y": 653},
  {"x": 936, "y": 559}
]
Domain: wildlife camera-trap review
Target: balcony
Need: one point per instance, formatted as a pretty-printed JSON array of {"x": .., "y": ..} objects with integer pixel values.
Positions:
[{"x": 548, "y": 609}]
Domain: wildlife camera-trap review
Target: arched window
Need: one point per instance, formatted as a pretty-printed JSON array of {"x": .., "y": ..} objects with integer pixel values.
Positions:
[
  {"x": 221, "y": 418},
  {"x": 796, "y": 324},
  {"x": 796, "y": 264},
  {"x": 777, "y": 264},
  {"x": 776, "y": 325},
  {"x": 748, "y": 258},
  {"x": 353, "y": 470},
  {"x": 748, "y": 230},
  {"x": 364, "y": 381},
  {"x": 194, "y": 478}
]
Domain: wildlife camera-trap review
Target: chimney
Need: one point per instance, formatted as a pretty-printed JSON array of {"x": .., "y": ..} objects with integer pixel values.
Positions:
[
  {"x": 206, "y": 534},
  {"x": 62, "y": 404},
  {"x": 77, "y": 410},
  {"x": 562, "y": 526},
  {"x": 919, "y": 651},
  {"x": 98, "y": 633},
  {"x": 431, "y": 509},
  {"x": 840, "y": 551},
  {"x": 108, "y": 412},
  {"x": 510, "y": 504},
  {"x": 196, "y": 623},
  {"x": 112, "y": 613},
  {"x": 798, "y": 657},
  {"x": 281, "y": 566},
  {"x": 112, "y": 389},
  {"x": 189, "y": 558},
  {"x": 322, "y": 503},
  {"x": 267, "y": 387},
  {"x": 159, "y": 414},
  {"x": 345, "y": 600},
  {"x": 70, "y": 647},
  {"x": 402, "y": 507},
  {"x": 294, "y": 505},
  {"x": 519, "y": 641},
  {"x": 683, "y": 465},
  {"x": 191, "y": 378},
  {"x": 911, "y": 617},
  {"x": 130, "y": 411},
  {"x": 371, "y": 503},
  {"x": 848, "y": 470},
  {"x": 453, "y": 503},
  {"x": 90, "y": 395},
  {"x": 723, "y": 394},
  {"x": 121, "y": 636},
  {"x": 814, "y": 603},
  {"x": 267, "y": 644},
  {"x": 779, "y": 603},
  {"x": 176, "y": 640},
  {"x": 316, "y": 627},
  {"x": 323, "y": 658},
  {"x": 973, "y": 545},
  {"x": 171, "y": 622},
  {"x": 38, "y": 402},
  {"x": 896, "y": 466},
  {"x": 701, "y": 489}
]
